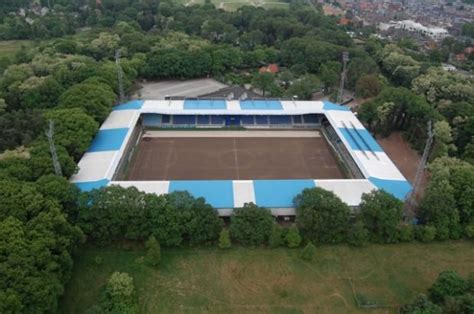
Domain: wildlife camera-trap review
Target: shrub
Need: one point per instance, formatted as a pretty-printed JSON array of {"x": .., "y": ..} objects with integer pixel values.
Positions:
[
  {"x": 381, "y": 213},
  {"x": 251, "y": 224},
  {"x": 119, "y": 296},
  {"x": 293, "y": 238},
  {"x": 448, "y": 284},
  {"x": 224, "y": 239},
  {"x": 308, "y": 252},
  {"x": 276, "y": 237},
  {"x": 358, "y": 235},
  {"x": 425, "y": 233},
  {"x": 469, "y": 231},
  {"x": 406, "y": 233},
  {"x": 153, "y": 251},
  {"x": 322, "y": 216}
]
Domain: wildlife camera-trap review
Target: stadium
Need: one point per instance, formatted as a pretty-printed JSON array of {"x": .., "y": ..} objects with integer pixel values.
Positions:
[{"x": 233, "y": 152}]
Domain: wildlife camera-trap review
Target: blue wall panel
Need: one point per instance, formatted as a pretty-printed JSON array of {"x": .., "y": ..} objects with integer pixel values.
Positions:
[
  {"x": 279, "y": 193},
  {"x": 218, "y": 193},
  {"x": 150, "y": 119}
]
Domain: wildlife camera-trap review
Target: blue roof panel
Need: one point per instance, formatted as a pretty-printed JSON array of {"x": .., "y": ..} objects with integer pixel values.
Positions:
[
  {"x": 218, "y": 193},
  {"x": 205, "y": 104},
  {"x": 108, "y": 140},
  {"x": 279, "y": 193},
  {"x": 250, "y": 104},
  {"x": 131, "y": 105},
  {"x": 327, "y": 105},
  {"x": 89, "y": 186},
  {"x": 360, "y": 139},
  {"x": 398, "y": 188}
]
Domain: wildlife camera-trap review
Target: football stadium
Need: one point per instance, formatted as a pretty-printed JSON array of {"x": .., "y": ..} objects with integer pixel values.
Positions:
[{"x": 233, "y": 152}]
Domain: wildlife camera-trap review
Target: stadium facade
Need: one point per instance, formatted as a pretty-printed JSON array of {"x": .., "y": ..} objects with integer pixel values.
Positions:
[{"x": 368, "y": 166}]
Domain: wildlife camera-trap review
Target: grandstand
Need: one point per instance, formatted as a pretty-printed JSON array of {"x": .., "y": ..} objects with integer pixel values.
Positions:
[{"x": 234, "y": 152}]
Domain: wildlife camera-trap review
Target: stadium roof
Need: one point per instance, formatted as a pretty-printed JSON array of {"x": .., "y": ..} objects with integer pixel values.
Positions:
[{"x": 99, "y": 163}]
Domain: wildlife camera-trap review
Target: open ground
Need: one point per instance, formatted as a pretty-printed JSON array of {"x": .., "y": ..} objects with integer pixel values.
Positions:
[
  {"x": 243, "y": 280},
  {"x": 240, "y": 155}
]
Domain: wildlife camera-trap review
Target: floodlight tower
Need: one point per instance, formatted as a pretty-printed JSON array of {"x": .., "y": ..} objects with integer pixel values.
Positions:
[
  {"x": 52, "y": 148},
  {"x": 340, "y": 93},
  {"x": 119, "y": 75},
  {"x": 410, "y": 201}
]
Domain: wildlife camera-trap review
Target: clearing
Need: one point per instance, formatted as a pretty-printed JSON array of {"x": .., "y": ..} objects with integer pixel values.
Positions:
[{"x": 259, "y": 280}]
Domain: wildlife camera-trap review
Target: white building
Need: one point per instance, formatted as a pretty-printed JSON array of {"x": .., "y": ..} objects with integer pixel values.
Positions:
[{"x": 437, "y": 33}]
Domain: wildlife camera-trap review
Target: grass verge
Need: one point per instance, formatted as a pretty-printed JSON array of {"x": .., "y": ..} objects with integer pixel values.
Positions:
[{"x": 264, "y": 280}]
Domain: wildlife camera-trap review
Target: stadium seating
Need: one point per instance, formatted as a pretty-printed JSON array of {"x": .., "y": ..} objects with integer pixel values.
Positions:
[
  {"x": 184, "y": 119},
  {"x": 247, "y": 120},
  {"x": 203, "y": 119},
  {"x": 280, "y": 119},
  {"x": 261, "y": 120}
]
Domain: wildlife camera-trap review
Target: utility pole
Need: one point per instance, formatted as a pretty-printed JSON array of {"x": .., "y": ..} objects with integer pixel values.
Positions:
[
  {"x": 410, "y": 202},
  {"x": 52, "y": 148},
  {"x": 119, "y": 76},
  {"x": 340, "y": 94}
]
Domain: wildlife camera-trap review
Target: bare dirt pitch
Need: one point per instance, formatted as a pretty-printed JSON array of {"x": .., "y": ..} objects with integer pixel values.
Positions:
[{"x": 233, "y": 158}]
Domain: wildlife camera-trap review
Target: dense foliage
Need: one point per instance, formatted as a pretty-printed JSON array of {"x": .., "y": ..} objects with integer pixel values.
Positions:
[
  {"x": 322, "y": 216},
  {"x": 173, "y": 219},
  {"x": 450, "y": 293},
  {"x": 251, "y": 224}
]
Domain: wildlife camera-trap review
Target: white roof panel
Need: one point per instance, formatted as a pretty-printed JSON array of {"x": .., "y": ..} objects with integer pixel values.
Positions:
[
  {"x": 94, "y": 166},
  {"x": 349, "y": 191}
]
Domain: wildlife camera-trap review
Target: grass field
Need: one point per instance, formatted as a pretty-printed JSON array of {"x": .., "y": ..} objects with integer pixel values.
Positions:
[
  {"x": 197, "y": 280},
  {"x": 8, "y": 48}
]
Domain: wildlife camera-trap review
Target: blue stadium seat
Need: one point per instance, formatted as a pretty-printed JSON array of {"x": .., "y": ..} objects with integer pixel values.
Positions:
[
  {"x": 261, "y": 120},
  {"x": 280, "y": 119},
  {"x": 184, "y": 119},
  {"x": 247, "y": 120},
  {"x": 202, "y": 119},
  {"x": 311, "y": 118},
  {"x": 217, "y": 120},
  {"x": 165, "y": 119},
  {"x": 297, "y": 119}
]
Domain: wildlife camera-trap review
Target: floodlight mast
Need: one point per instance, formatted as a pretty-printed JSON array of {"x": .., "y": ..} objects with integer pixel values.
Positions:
[
  {"x": 410, "y": 201},
  {"x": 119, "y": 76},
  {"x": 340, "y": 93},
  {"x": 52, "y": 148}
]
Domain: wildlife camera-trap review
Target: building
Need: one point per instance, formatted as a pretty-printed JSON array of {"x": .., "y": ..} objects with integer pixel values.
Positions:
[
  {"x": 366, "y": 166},
  {"x": 436, "y": 33}
]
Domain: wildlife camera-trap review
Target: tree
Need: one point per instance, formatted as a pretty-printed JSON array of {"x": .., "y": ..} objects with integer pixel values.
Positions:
[
  {"x": 438, "y": 208},
  {"x": 153, "y": 251},
  {"x": 224, "y": 239},
  {"x": 73, "y": 129},
  {"x": 119, "y": 296},
  {"x": 96, "y": 99},
  {"x": 321, "y": 216},
  {"x": 59, "y": 189},
  {"x": 425, "y": 233},
  {"x": 308, "y": 251},
  {"x": 263, "y": 81},
  {"x": 421, "y": 305},
  {"x": 225, "y": 59},
  {"x": 381, "y": 213},
  {"x": 276, "y": 237},
  {"x": 443, "y": 139},
  {"x": 293, "y": 238},
  {"x": 448, "y": 284},
  {"x": 251, "y": 225},
  {"x": 368, "y": 86},
  {"x": 358, "y": 235},
  {"x": 304, "y": 87}
]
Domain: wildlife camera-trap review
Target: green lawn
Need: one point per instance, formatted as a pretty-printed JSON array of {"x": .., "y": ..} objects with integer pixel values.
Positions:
[
  {"x": 8, "y": 48},
  {"x": 270, "y": 281}
]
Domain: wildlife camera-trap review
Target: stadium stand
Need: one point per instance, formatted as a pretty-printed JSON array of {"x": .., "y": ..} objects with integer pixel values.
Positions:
[{"x": 368, "y": 166}]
